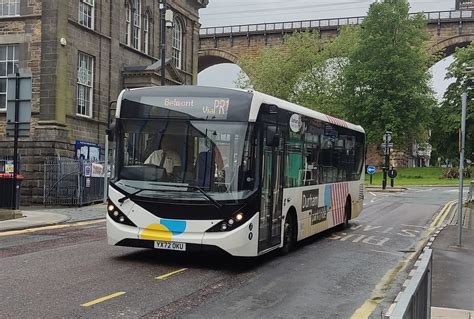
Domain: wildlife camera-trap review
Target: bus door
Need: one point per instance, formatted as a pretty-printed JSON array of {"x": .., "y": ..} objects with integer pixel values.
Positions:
[{"x": 272, "y": 188}]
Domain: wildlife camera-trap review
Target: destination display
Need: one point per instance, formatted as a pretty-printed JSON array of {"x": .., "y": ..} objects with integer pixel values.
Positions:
[{"x": 200, "y": 107}]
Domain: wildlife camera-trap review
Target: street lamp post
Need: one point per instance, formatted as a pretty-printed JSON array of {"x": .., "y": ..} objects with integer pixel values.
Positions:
[
  {"x": 461, "y": 164},
  {"x": 166, "y": 19},
  {"x": 163, "y": 40}
]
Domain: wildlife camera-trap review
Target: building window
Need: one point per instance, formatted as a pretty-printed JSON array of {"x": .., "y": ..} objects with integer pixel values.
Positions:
[
  {"x": 8, "y": 65},
  {"x": 86, "y": 13},
  {"x": 136, "y": 25},
  {"x": 177, "y": 44},
  {"x": 146, "y": 34},
  {"x": 85, "y": 84},
  {"x": 9, "y": 8},
  {"x": 128, "y": 19}
]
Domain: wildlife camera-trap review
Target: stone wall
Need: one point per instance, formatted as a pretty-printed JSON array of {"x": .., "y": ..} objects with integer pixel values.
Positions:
[
  {"x": 26, "y": 32},
  {"x": 55, "y": 123}
]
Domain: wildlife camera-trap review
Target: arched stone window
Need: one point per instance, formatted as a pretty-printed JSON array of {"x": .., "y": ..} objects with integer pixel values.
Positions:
[
  {"x": 136, "y": 24},
  {"x": 177, "y": 44},
  {"x": 128, "y": 22},
  {"x": 146, "y": 31}
]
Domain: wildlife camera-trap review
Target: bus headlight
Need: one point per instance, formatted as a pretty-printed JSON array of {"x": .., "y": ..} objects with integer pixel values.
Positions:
[
  {"x": 231, "y": 223},
  {"x": 118, "y": 216}
]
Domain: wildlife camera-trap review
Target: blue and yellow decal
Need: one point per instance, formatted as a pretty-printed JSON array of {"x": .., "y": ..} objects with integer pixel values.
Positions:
[{"x": 164, "y": 230}]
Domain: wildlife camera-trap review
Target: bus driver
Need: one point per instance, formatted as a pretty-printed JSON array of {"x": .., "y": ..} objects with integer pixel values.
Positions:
[{"x": 166, "y": 157}]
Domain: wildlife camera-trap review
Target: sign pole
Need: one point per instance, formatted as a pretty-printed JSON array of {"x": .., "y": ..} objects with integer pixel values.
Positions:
[
  {"x": 15, "y": 140},
  {"x": 461, "y": 165},
  {"x": 387, "y": 138}
]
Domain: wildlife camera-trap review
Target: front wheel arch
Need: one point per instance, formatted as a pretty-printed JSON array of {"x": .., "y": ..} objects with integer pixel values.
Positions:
[{"x": 289, "y": 243}]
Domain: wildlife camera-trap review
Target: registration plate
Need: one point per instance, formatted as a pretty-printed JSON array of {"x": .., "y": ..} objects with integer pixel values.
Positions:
[{"x": 169, "y": 245}]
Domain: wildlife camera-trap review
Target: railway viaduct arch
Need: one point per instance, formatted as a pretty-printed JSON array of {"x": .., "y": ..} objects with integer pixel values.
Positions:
[{"x": 226, "y": 44}]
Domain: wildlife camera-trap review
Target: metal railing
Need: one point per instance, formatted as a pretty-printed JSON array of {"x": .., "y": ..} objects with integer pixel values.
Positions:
[
  {"x": 73, "y": 182},
  {"x": 274, "y": 27},
  {"x": 415, "y": 300}
]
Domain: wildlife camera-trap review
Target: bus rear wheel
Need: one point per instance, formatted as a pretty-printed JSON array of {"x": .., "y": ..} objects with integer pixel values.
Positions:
[
  {"x": 289, "y": 237},
  {"x": 347, "y": 213}
]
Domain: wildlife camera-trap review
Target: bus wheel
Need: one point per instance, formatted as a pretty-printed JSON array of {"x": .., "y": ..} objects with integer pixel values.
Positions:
[
  {"x": 347, "y": 214},
  {"x": 289, "y": 237}
]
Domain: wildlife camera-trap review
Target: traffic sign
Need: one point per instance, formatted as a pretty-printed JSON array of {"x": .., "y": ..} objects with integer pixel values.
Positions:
[
  {"x": 392, "y": 173},
  {"x": 371, "y": 169},
  {"x": 385, "y": 145}
]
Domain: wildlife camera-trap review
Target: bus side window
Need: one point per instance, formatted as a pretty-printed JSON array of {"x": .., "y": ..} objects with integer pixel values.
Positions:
[
  {"x": 294, "y": 160},
  {"x": 311, "y": 146}
]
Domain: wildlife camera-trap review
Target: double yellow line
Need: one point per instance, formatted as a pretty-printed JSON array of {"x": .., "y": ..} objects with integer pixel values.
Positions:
[{"x": 438, "y": 221}]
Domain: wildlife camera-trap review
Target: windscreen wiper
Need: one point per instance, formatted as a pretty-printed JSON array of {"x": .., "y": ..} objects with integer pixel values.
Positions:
[
  {"x": 121, "y": 200},
  {"x": 212, "y": 200},
  {"x": 216, "y": 203}
]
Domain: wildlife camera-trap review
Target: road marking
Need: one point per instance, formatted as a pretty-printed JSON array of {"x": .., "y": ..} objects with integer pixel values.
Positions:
[
  {"x": 442, "y": 215},
  {"x": 378, "y": 293},
  {"x": 423, "y": 190},
  {"x": 408, "y": 225},
  {"x": 387, "y": 252},
  {"x": 102, "y": 299},
  {"x": 171, "y": 274},
  {"x": 373, "y": 194},
  {"x": 37, "y": 229}
]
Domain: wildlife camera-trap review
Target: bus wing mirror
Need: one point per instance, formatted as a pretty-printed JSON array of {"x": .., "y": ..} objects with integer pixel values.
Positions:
[{"x": 271, "y": 136}]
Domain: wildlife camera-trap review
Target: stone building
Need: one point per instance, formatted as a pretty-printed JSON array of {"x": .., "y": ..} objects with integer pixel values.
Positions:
[{"x": 81, "y": 54}]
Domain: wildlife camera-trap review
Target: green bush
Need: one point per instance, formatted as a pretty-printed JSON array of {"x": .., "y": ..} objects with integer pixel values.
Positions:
[{"x": 453, "y": 172}]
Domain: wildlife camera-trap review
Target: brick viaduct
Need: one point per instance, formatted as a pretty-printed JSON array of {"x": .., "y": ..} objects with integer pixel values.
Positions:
[{"x": 448, "y": 30}]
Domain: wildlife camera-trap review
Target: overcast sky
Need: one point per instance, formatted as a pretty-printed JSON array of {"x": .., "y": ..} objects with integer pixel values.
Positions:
[{"x": 231, "y": 12}]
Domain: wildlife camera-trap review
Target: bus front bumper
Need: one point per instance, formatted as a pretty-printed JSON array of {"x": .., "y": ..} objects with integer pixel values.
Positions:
[{"x": 242, "y": 241}]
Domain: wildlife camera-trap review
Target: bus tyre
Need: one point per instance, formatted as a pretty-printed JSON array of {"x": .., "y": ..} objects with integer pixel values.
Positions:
[
  {"x": 289, "y": 237},
  {"x": 347, "y": 214}
]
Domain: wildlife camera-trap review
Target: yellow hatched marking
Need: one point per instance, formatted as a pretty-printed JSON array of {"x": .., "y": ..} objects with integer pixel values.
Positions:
[
  {"x": 96, "y": 301},
  {"x": 37, "y": 229},
  {"x": 171, "y": 274}
]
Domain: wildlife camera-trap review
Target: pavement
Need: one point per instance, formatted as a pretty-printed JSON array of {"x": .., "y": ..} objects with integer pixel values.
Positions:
[
  {"x": 453, "y": 266},
  {"x": 45, "y": 216},
  {"x": 453, "y": 269}
]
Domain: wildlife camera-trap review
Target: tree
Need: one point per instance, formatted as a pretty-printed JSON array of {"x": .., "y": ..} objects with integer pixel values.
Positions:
[
  {"x": 447, "y": 117},
  {"x": 304, "y": 70},
  {"x": 387, "y": 83}
]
